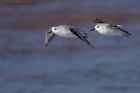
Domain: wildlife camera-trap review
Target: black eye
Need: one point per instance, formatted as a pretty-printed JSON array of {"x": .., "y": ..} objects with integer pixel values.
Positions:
[
  {"x": 54, "y": 28},
  {"x": 97, "y": 26}
]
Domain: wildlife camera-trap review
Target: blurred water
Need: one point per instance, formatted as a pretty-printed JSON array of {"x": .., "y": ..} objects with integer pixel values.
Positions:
[{"x": 67, "y": 65}]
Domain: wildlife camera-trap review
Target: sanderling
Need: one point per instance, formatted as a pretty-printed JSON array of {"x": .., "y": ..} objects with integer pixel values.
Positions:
[
  {"x": 66, "y": 32},
  {"x": 109, "y": 29}
]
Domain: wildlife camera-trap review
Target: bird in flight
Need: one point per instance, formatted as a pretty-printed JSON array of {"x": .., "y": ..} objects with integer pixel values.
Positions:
[
  {"x": 109, "y": 29},
  {"x": 66, "y": 32}
]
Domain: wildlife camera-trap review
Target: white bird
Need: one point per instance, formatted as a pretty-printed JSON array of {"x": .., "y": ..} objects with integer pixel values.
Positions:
[
  {"x": 66, "y": 32},
  {"x": 109, "y": 29}
]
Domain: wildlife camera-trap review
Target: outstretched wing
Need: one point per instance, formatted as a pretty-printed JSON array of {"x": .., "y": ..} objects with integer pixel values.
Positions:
[
  {"x": 97, "y": 20},
  {"x": 80, "y": 36},
  {"x": 48, "y": 37},
  {"x": 126, "y": 33}
]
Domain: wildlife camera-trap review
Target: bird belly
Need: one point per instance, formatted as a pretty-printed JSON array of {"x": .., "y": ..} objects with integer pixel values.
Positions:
[
  {"x": 111, "y": 32},
  {"x": 66, "y": 34}
]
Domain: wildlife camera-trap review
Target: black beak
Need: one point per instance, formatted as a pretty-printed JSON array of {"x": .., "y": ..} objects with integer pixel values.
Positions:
[
  {"x": 50, "y": 31},
  {"x": 92, "y": 29}
]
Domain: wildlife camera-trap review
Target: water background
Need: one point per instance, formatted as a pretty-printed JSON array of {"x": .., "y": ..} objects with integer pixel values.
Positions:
[{"x": 68, "y": 65}]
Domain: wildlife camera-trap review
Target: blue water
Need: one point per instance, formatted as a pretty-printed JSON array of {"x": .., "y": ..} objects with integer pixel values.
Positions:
[{"x": 68, "y": 65}]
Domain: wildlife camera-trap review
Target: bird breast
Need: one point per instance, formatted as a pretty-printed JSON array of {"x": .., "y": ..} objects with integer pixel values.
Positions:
[
  {"x": 65, "y": 33},
  {"x": 111, "y": 32}
]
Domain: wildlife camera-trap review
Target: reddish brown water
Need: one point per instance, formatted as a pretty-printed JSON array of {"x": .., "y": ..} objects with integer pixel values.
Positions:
[{"x": 68, "y": 65}]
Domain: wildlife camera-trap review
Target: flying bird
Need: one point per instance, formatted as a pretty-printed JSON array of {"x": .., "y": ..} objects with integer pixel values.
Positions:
[
  {"x": 109, "y": 29},
  {"x": 66, "y": 32}
]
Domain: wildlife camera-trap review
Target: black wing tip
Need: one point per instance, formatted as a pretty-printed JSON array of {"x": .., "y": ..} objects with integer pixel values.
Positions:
[
  {"x": 128, "y": 35},
  {"x": 92, "y": 46},
  {"x": 83, "y": 38},
  {"x": 89, "y": 44},
  {"x": 98, "y": 20}
]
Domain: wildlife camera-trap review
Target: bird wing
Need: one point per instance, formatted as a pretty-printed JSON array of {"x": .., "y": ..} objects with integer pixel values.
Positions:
[
  {"x": 126, "y": 33},
  {"x": 97, "y": 20},
  {"x": 80, "y": 36},
  {"x": 48, "y": 37}
]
